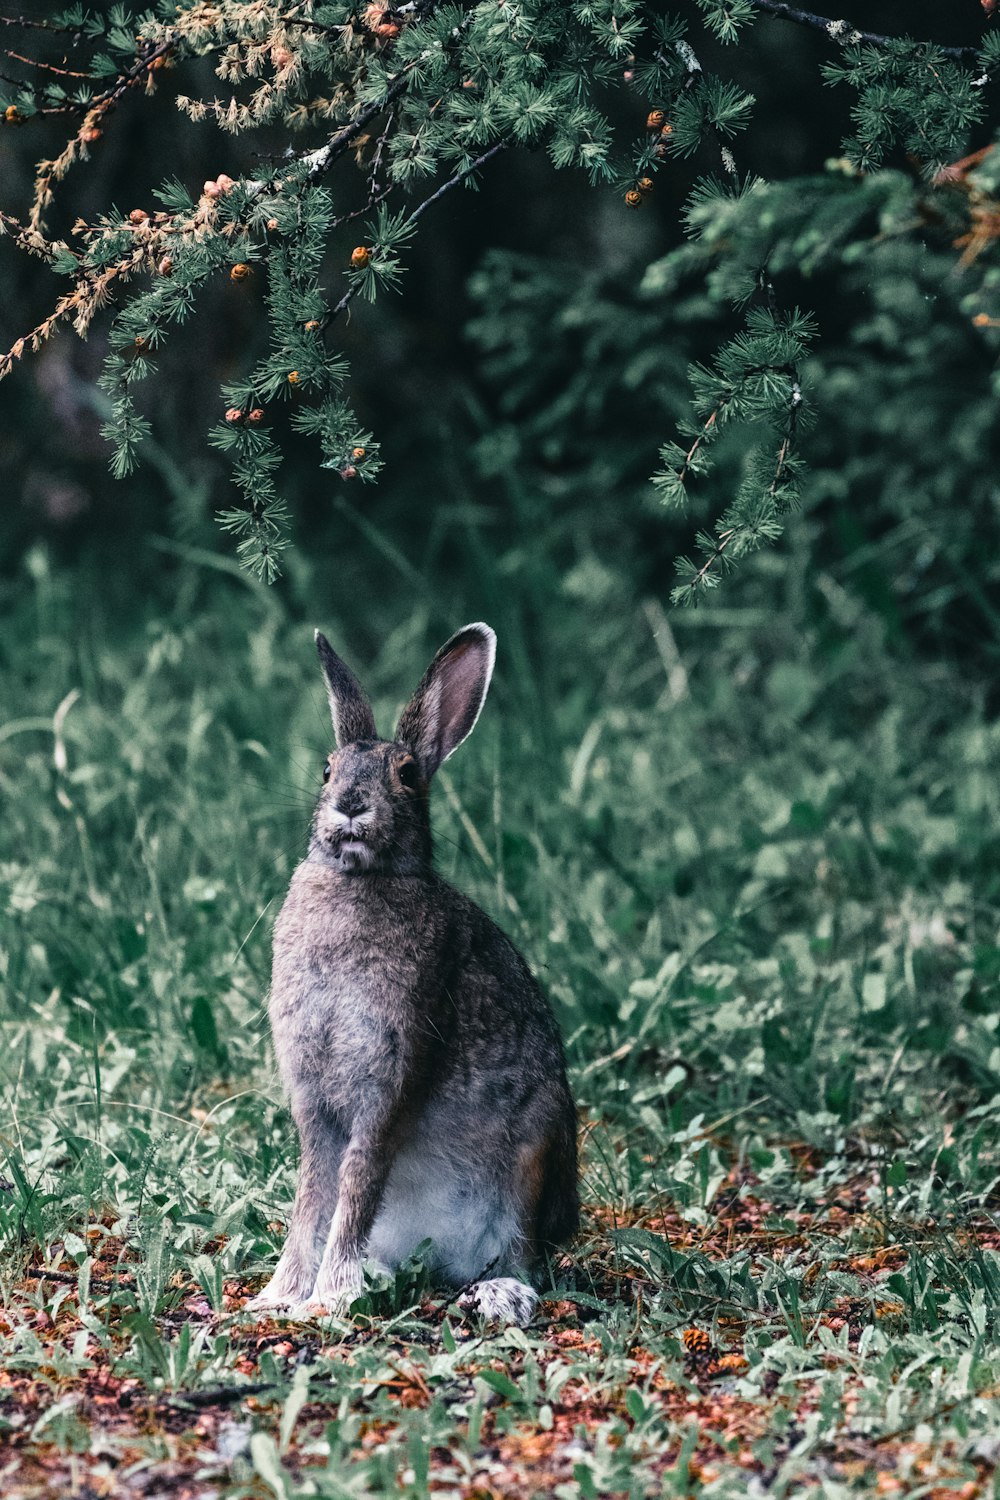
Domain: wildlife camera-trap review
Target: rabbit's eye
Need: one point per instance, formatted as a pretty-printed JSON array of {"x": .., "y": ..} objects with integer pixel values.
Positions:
[
  {"x": 326, "y": 770},
  {"x": 407, "y": 773}
]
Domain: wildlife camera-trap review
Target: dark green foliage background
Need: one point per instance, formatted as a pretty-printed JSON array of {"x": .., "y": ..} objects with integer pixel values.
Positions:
[{"x": 541, "y": 343}]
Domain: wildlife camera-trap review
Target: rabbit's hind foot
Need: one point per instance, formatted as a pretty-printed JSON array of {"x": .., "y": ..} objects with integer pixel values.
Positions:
[{"x": 501, "y": 1299}]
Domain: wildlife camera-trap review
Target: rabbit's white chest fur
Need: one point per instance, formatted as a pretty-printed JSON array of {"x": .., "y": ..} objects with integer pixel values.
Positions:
[{"x": 430, "y": 1196}]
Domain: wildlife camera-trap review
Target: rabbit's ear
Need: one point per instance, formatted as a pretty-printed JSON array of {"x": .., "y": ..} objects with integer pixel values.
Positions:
[
  {"x": 452, "y": 691},
  {"x": 352, "y": 715}
]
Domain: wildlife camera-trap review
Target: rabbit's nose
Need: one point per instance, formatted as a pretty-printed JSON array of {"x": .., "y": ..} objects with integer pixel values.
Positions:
[{"x": 351, "y": 807}]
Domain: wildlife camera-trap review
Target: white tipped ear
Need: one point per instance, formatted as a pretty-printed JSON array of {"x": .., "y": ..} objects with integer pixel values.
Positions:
[
  {"x": 349, "y": 708},
  {"x": 444, "y": 709}
]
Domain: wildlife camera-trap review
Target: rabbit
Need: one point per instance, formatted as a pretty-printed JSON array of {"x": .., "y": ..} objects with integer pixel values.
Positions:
[{"x": 423, "y": 1064}]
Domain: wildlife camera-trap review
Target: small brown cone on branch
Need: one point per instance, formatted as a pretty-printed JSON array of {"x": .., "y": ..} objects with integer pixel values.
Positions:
[{"x": 380, "y": 20}]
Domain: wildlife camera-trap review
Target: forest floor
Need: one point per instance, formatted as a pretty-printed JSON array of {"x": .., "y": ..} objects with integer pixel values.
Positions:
[
  {"x": 764, "y": 894},
  {"x": 601, "y": 1395}
]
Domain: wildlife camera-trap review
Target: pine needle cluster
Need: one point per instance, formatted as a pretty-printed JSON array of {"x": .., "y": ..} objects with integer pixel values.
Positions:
[{"x": 386, "y": 109}]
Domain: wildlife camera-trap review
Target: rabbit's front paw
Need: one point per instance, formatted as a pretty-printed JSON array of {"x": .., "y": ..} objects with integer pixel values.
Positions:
[
  {"x": 266, "y": 1302},
  {"x": 502, "y": 1298},
  {"x": 336, "y": 1288},
  {"x": 283, "y": 1291}
]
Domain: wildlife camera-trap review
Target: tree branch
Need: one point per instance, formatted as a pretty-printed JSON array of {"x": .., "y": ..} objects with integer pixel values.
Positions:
[
  {"x": 421, "y": 208},
  {"x": 316, "y": 162},
  {"x": 35, "y": 62},
  {"x": 32, "y": 240},
  {"x": 845, "y": 33},
  {"x": 25, "y": 24},
  {"x": 454, "y": 181}
]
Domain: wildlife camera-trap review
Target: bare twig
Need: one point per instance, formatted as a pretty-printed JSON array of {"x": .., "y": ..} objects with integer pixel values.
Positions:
[
  {"x": 844, "y": 32},
  {"x": 217, "y": 1395},
  {"x": 358, "y": 213},
  {"x": 454, "y": 181},
  {"x": 24, "y": 24},
  {"x": 35, "y": 62},
  {"x": 376, "y": 166},
  {"x": 72, "y": 1278},
  {"x": 420, "y": 209}
]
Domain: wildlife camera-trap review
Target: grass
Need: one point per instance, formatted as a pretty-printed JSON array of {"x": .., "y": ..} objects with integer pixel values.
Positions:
[{"x": 757, "y": 870}]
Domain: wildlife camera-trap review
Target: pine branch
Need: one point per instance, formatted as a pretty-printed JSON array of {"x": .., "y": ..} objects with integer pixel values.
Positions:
[
  {"x": 699, "y": 579},
  {"x": 32, "y": 240},
  {"x": 710, "y": 426},
  {"x": 316, "y": 162},
  {"x": 89, "y": 295},
  {"x": 411, "y": 103},
  {"x": 707, "y": 431},
  {"x": 101, "y": 103}
]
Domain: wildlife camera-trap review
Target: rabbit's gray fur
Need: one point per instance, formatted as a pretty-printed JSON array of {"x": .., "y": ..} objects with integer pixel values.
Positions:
[{"x": 423, "y": 1063}]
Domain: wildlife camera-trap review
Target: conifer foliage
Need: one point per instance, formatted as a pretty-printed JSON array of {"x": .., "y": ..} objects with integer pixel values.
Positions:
[{"x": 385, "y": 110}]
